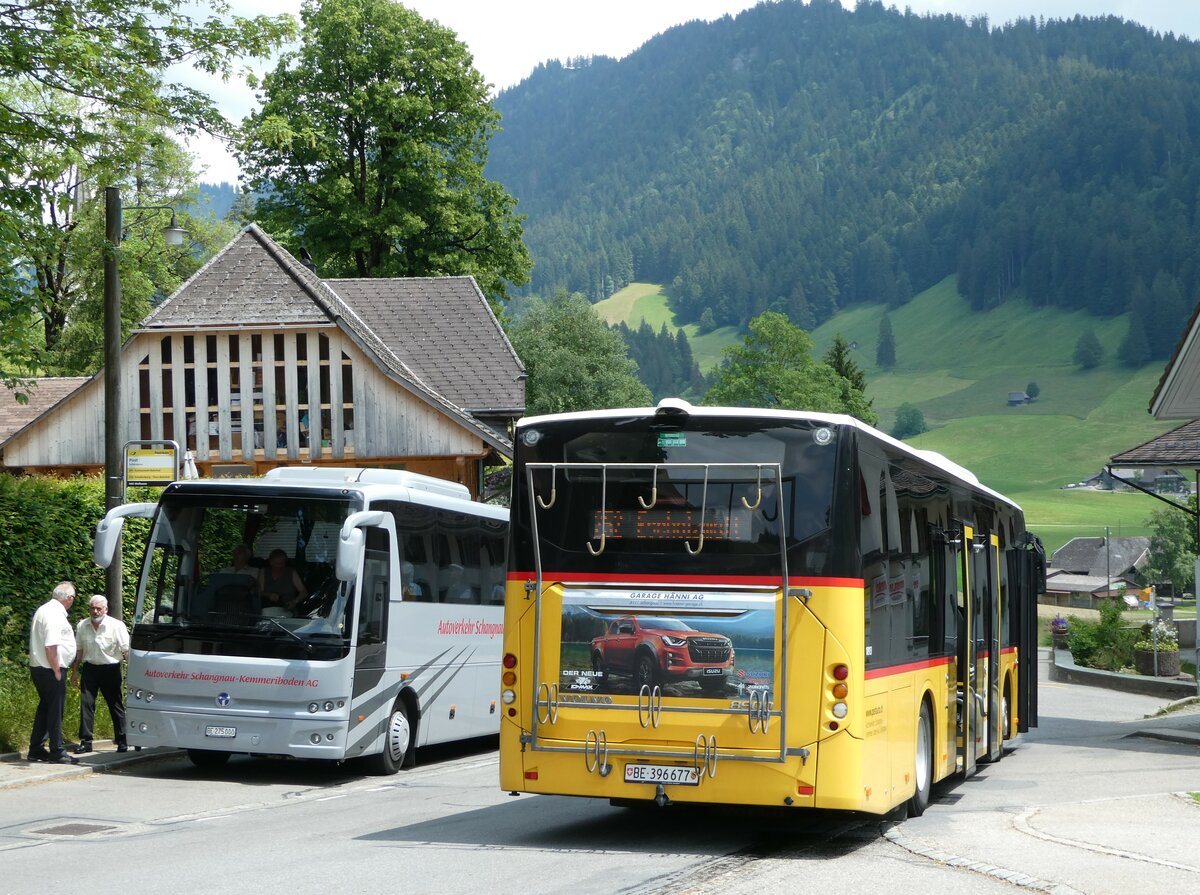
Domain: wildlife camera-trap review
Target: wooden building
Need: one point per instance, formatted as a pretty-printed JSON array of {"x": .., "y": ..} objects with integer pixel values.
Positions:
[{"x": 256, "y": 362}]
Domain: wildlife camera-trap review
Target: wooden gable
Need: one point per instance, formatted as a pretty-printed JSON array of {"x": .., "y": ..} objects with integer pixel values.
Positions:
[{"x": 256, "y": 363}]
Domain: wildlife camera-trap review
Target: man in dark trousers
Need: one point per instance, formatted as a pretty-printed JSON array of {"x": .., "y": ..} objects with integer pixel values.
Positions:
[
  {"x": 51, "y": 652},
  {"x": 103, "y": 645}
]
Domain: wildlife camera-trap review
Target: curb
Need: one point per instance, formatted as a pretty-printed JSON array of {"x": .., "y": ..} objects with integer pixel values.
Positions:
[
  {"x": 1064, "y": 670},
  {"x": 35, "y": 773}
]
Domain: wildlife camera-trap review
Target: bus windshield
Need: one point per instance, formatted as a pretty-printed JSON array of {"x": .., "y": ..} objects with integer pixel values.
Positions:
[
  {"x": 245, "y": 573},
  {"x": 716, "y": 496}
]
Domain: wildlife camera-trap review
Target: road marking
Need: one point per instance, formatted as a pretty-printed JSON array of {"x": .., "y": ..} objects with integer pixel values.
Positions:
[
  {"x": 893, "y": 834},
  {"x": 1021, "y": 823}
]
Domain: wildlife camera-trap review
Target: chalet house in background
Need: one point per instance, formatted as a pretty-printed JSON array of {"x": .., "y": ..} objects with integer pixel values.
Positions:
[
  {"x": 1086, "y": 570},
  {"x": 256, "y": 362}
]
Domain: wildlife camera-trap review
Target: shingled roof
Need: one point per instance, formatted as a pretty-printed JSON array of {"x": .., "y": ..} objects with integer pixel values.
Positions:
[
  {"x": 443, "y": 330},
  {"x": 43, "y": 394},
  {"x": 1178, "y": 448},
  {"x": 436, "y": 337},
  {"x": 1091, "y": 556}
]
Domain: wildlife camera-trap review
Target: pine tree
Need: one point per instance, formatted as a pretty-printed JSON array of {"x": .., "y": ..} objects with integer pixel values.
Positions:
[
  {"x": 1088, "y": 351},
  {"x": 838, "y": 357},
  {"x": 885, "y": 350},
  {"x": 1134, "y": 349}
]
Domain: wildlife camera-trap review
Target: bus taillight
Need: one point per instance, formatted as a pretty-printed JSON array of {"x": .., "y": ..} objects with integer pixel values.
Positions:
[
  {"x": 838, "y": 692},
  {"x": 510, "y": 660}
]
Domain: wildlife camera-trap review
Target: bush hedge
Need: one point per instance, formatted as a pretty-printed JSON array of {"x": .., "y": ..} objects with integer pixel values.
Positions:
[{"x": 47, "y": 530}]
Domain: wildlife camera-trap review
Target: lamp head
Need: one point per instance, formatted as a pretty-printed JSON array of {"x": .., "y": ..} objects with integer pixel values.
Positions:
[{"x": 174, "y": 234}]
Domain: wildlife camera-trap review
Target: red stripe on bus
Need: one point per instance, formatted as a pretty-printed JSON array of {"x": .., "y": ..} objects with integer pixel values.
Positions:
[
  {"x": 642, "y": 580},
  {"x": 934, "y": 662}
]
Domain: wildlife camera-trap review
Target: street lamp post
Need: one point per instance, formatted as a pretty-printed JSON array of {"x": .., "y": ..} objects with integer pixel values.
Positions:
[{"x": 114, "y": 472}]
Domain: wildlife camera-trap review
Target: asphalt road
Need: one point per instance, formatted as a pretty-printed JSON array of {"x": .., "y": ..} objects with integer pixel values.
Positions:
[{"x": 1080, "y": 806}]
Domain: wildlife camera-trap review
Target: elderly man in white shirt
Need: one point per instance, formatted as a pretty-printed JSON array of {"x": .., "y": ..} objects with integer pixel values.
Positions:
[
  {"x": 51, "y": 653},
  {"x": 103, "y": 645}
]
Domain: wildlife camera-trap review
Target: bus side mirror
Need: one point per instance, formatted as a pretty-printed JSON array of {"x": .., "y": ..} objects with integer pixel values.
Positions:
[
  {"x": 108, "y": 530},
  {"x": 349, "y": 554},
  {"x": 350, "y": 544}
]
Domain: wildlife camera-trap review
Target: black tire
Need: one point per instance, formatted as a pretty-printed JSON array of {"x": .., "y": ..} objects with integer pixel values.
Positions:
[
  {"x": 207, "y": 759},
  {"x": 398, "y": 748},
  {"x": 644, "y": 671},
  {"x": 599, "y": 667},
  {"x": 922, "y": 763}
]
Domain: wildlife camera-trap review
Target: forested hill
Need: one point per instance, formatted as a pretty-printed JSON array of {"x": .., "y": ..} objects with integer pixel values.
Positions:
[{"x": 806, "y": 158}]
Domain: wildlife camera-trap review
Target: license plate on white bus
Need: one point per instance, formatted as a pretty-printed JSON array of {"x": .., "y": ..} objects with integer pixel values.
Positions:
[
  {"x": 661, "y": 773},
  {"x": 222, "y": 732}
]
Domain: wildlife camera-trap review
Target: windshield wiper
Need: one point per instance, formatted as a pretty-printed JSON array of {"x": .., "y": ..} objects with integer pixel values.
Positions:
[
  {"x": 163, "y": 635},
  {"x": 308, "y": 647}
]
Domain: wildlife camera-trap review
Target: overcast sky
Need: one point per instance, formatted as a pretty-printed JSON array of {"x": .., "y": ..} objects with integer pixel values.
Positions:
[{"x": 509, "y": 39}]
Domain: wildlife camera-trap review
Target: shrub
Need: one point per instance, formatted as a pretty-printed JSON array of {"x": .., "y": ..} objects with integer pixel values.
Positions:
[
  {"x": 46, "y": 536},
  {"x": 18, "y": 702},
  {"x": 1103, "y": 644}
]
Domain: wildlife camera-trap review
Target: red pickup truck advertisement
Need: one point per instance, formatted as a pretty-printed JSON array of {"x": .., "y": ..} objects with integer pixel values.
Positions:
[{"x": 700, "y": 644}]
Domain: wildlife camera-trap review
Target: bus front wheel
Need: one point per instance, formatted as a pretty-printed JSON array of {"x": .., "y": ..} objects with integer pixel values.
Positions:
[
  {"x": 397, "y": 742},
  {"x": 923, "y": 764}
]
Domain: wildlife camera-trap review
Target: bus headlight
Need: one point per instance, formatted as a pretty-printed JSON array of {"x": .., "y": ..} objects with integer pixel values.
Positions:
[
  {"x": 313, "y": 708},
  {"x": 508, "y": 696}
]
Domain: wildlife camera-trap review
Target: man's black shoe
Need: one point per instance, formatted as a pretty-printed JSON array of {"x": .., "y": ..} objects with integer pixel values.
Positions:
[
  {"x": 122, "y": 748},
  {"x": 83, "y": 748},
  {"x": 61, "y": 759},
  {"x": 37, "y": 756}
]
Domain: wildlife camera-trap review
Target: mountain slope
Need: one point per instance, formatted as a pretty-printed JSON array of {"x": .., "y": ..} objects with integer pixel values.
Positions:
[{"x": 809, "y": 159}]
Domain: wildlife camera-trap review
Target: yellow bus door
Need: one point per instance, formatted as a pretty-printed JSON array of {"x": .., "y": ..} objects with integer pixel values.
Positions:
[
  {"x": 970, "y": 649},
  {"x": 993, "y": 606}
]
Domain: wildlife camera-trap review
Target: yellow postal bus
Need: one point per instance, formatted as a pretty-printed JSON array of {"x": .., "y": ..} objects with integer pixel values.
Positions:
[{"x": 760, "y": 607}]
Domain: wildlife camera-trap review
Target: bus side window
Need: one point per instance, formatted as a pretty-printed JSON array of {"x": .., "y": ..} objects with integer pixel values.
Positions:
[{"x": 373, "y": 606}]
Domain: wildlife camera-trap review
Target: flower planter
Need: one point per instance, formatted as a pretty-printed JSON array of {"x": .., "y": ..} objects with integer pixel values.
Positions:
[{"x": 1168, "y": 662}]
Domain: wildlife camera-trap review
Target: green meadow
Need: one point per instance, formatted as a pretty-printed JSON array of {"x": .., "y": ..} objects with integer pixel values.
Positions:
[{"x": 958, "y": 367}]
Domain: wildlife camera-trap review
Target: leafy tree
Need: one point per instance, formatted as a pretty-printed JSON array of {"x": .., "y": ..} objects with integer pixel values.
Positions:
[
  {"x": 1172, "y": 547},
  {"x": 774, "y": 367},
  {"x": 1033, "y": 390},
  {"x": 573, "y": 360},
  {"x": 370, "y": 149},
  {"x": 83, "y": 91},
  {"x": 885, "y": 348},
  {"x": 910, "y": 421},
  {"x": 1088, "y": 350}
]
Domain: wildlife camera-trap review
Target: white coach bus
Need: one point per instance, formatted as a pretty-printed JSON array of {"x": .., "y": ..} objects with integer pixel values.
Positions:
[{"x": 377, "y": 630}]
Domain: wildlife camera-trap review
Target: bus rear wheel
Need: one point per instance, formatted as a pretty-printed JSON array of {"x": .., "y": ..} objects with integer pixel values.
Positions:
[
  {"x": 397, "y": 742},
  {"x": 207, "y": 759},
  {"x": 923, "y": 764}
]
